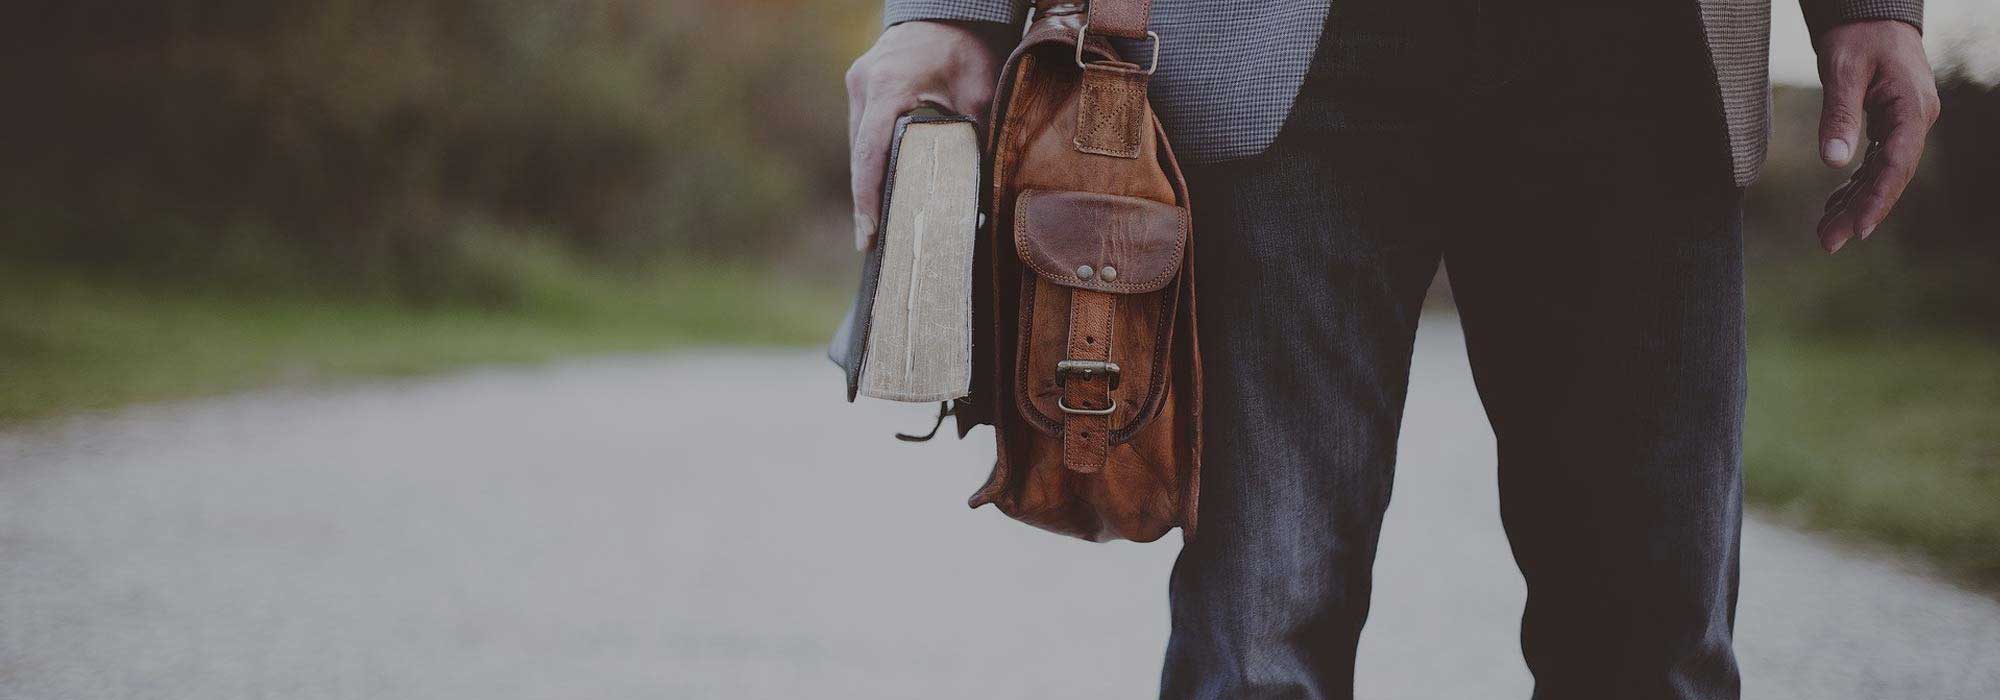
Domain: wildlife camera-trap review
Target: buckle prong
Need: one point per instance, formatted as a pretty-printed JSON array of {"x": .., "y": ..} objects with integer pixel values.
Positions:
[{"x": 1087, "y": 369}]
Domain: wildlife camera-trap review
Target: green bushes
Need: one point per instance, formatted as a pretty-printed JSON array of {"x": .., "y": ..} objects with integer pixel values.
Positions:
[
  {"x": 349, "y": 144},
  {"x": 1933, "y": 266},
  {"x": 1875, "y": 373}
]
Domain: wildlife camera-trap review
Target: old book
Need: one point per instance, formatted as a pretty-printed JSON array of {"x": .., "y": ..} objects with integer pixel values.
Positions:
[{"x": 908, "y": 336}]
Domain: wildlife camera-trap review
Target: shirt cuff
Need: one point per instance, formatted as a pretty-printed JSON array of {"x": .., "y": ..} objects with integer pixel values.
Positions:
[
  {"x": 1009, "y": 12},
  {"x": 1822, "y": 15}
]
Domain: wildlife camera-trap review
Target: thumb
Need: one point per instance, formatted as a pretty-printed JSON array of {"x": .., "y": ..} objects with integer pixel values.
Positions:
[{"x": 1840, "y": 116}]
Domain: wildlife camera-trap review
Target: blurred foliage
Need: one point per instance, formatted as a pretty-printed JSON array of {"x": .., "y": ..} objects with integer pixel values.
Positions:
[
  {"x": 365, "y": 146},
  {"x": 1875, "y": 373},
  {"x": 1934, "y": 264},
  {"x": 357, "y": 145},
  {"x": 210, "y": 195}
]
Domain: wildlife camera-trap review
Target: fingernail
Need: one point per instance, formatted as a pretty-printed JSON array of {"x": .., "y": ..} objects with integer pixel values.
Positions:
[
  {"x": 864, "y": 229},
  {"x": 1865, "y": 230},
  {"x": 1835, "y": 151}
]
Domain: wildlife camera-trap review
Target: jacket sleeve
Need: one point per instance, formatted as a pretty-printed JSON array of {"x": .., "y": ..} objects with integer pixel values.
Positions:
[
  {"x": 1004, "y": 11},
  {"x": 1822, "y": 15}
]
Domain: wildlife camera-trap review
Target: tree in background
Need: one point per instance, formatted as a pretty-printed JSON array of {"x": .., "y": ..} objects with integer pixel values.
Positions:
[
  {"x": 365, "y": 144},
  {"x": 385, "y": 146}
]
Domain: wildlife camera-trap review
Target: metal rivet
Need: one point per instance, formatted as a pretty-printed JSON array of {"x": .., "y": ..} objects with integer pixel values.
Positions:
[
  {"x": 1084, "y": 272},
  {"x": 1108, "y": 274}
]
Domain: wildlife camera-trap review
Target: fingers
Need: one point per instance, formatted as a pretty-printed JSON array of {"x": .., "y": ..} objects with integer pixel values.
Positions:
[
  {"x": 869, "y": 156},
  {"x": 857, "y": 106},
  {"x": 1854, "y": 210},
  {"x": 857, "y": 97},
  {"x": 972, "y": 94},
  {"x": 1877, "y": 70},
  {"x": 1837, "y": 223},
  {"x": 1846, "y": 82},
  {"x": 910, "y": 64},
  {"x": 873, "y": 102},
  {"x": 871, "y": 128}
]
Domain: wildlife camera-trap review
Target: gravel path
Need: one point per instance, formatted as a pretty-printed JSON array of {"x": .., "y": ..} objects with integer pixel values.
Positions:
[{"x": 720, "y": 525}]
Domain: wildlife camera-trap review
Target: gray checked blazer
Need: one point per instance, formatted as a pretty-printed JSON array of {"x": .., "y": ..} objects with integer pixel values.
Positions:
[{"x": 1225, "y": 87}]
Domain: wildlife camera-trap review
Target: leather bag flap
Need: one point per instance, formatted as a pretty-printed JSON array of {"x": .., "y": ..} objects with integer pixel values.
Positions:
[{"x": 1131, "y": 245}]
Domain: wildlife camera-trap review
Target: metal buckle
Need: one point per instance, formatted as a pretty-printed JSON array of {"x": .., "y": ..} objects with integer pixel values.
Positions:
[
  {"x": 1084, "y": 30},
  {"x": 1087, "y": 369},
  {"x": 1087, "y": 411}
]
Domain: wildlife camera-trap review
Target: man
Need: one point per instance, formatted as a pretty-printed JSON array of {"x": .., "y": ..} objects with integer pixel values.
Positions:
[{"x": 1578, "y": 167}]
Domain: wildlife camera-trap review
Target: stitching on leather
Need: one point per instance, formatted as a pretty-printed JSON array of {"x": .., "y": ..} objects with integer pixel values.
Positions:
[
  {"x": 1155, "y": 396},
  {"x": 1106, "y": 106},
  {"x": 1023, "y": 400},
  {"x": 1141, "y": 11},
  {"x": 1093, "y": 316},
  {"x": 1021, "y": 225}
]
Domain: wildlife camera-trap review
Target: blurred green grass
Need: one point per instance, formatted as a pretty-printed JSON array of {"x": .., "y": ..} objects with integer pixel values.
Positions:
[
  {"x": 1892, "y": 439},
  {"x": 73, "y": 340},
  {"x": 213, "y": 195},
  {"x": 1875, "y": 374}
]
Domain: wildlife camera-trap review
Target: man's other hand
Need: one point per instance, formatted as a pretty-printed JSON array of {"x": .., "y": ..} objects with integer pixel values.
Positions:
[
  {"x": 1875, "y": 70},
  {"x": 953, "y": 65}
]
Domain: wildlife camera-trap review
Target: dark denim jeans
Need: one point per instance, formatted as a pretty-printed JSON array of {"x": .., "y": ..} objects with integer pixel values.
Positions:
[{"x": 1567, "y": 166}]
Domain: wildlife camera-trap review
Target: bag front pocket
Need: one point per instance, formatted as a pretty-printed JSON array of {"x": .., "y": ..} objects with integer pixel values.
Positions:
[{"x": 1098, "y": 309}]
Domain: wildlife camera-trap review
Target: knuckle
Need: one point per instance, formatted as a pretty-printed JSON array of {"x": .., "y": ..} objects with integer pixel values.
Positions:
[
  {"x": 857, "y": 73},
  {"x": 886, "y": 83},
  {"x": 1841, "y": 62},
  {"x": 1874, "y": 203},
  {"x": 1896, "y": 161}
]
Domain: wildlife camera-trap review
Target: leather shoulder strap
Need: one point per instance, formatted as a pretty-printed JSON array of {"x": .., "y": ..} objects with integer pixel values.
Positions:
[{"x": 1120, "y": 18}]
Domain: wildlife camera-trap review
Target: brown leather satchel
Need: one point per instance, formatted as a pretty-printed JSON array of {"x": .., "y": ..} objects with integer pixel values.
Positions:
[{"x": 1085, "y": 355}]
